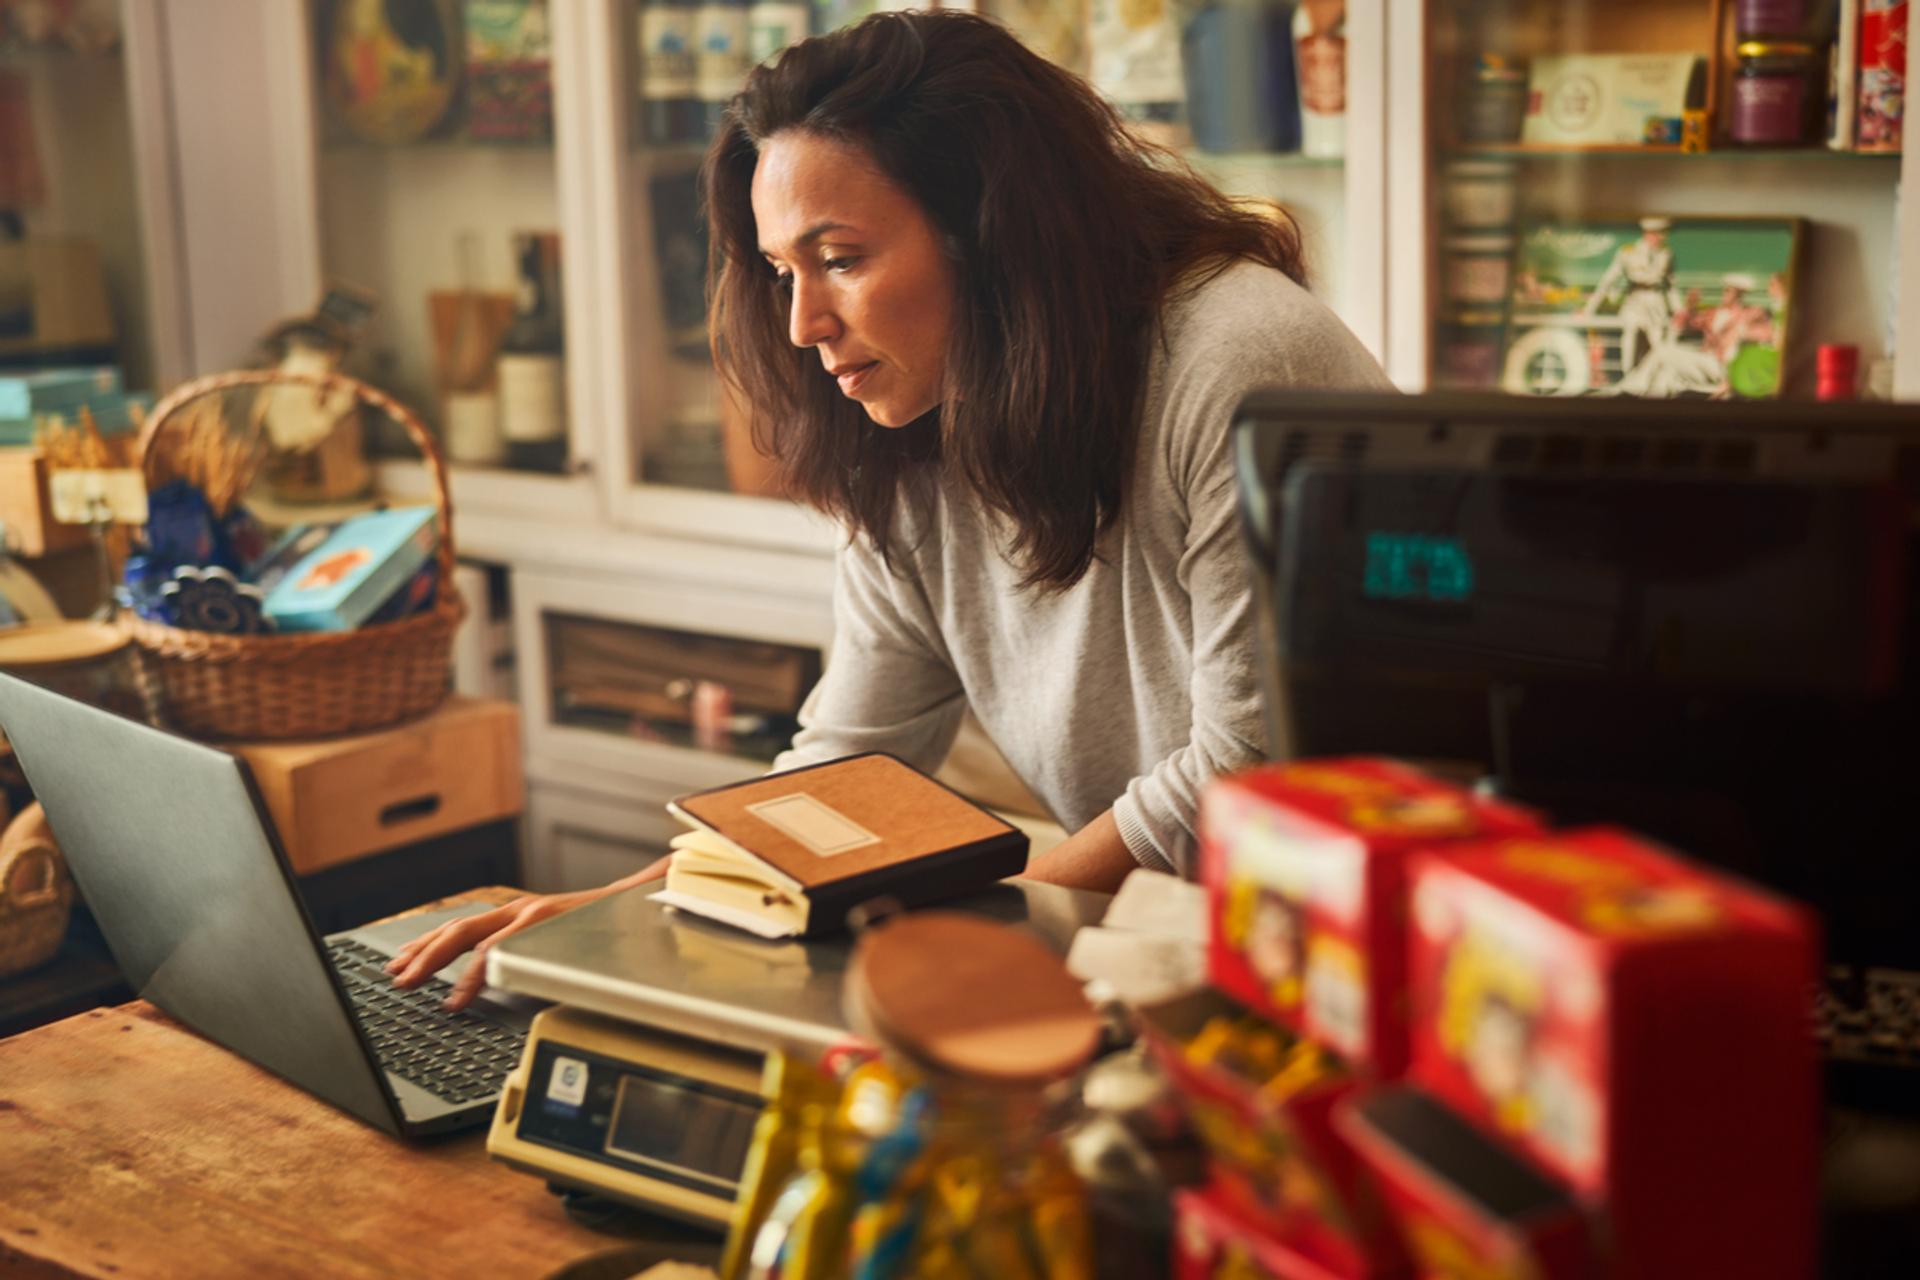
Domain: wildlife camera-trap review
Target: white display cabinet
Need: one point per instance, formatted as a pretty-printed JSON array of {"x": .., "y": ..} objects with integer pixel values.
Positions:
[
  {"x": 280, "y": 179},
  {"x": 582, "y": 839},
  {"x": 596, "y": 655}
]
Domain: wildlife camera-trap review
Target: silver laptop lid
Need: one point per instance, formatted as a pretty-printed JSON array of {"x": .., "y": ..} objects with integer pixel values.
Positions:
[
  {"x": 174, "y": 853},
  {"x": 630, "y": 957}
]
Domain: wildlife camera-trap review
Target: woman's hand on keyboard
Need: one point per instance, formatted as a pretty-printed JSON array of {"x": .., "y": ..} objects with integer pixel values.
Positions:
[{"x": 432, "y": 951}]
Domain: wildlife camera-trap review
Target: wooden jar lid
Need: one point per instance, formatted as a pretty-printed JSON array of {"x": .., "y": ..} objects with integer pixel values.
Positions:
[
  {"x": 52, "y": 644},
  {"x": 972, "y": 998}
]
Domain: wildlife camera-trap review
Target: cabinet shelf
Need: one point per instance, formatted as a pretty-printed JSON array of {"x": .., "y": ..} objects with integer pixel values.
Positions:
[
  {"x": 479, "y": 146},
  {"x": 1544, "y": 151},
  {"x": 1268, "y": 159}
]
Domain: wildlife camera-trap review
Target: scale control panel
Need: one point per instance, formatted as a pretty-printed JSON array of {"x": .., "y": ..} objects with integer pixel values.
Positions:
[{"x": 623, "y": 1111}]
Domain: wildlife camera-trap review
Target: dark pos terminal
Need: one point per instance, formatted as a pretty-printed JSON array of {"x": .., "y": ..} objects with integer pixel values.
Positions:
[{"x": 1695, "y": 619}]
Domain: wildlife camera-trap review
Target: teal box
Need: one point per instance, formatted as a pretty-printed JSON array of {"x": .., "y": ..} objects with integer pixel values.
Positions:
[
  {"x": 25, "y": 395},
  {"x": 112, "y": 413},
  {"x": 340, "y": 583}
]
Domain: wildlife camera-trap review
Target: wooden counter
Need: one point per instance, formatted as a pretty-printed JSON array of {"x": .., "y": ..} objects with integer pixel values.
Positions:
[{"x": 130, "y": 1147}]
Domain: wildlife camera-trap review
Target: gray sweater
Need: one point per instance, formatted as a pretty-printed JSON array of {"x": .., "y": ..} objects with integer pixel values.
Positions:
[{"x": 1136, "y": 685}]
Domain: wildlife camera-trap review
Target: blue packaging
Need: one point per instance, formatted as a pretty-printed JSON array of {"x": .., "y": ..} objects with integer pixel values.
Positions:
[
  {"x": 416, "y": 595},
  {"x": 341, "y": 583}
]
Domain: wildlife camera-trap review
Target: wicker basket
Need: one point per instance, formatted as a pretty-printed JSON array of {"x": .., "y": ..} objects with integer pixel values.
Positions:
[{"x": 311, "y": 684}]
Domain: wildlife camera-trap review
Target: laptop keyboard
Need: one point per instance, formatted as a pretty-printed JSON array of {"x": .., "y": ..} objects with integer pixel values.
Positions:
[{"x": 458, "y": 1057}]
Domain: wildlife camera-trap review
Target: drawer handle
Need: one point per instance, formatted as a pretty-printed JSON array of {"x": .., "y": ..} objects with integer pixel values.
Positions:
[{"x": 408, "y": 810}]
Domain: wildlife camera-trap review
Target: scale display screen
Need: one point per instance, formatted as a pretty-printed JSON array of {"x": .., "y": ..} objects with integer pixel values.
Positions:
[{"x": 683, "y": 1125}]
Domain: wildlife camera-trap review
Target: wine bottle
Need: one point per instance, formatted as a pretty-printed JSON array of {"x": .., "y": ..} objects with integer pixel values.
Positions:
[
  {"x": 532, "y": 369},
  {"x": 470, "y": 408},
  {"x": 720, "y": 60},
  {"x": 668, "y": 85}
]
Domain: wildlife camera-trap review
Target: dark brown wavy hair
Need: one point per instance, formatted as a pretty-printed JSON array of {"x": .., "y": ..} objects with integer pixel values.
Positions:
[{"x": 1067, "y": 234}]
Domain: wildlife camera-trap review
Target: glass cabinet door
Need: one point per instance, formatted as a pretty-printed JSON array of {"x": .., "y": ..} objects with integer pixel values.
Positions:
[
  {"x": 439, "y": 221},
  {"x": 689, "y": 58},
  {"x": 73, "y": 277},
  {"x": 1661, "y": 198},
  {"x": 1252, "y": 92}
]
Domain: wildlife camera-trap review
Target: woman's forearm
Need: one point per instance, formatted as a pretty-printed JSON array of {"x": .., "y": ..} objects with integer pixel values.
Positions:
[{"x": 1094, "y": 857}]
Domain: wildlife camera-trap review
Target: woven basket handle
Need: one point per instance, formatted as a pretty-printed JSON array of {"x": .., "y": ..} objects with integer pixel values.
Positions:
[{"x": 187, "y": 392}]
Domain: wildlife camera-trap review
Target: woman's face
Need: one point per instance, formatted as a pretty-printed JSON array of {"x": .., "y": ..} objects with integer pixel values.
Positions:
[{"x": 868, "y": 285}]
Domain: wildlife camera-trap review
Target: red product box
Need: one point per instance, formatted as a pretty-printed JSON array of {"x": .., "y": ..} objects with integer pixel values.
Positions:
[
  {"x": 1465, "y": 1205},
  {"x": 1639, "y": 1026},
  {"x": 1882, "y": 79},
  {"x": 1216, "y": 1239},
  {"x": 1305, "y": 866},
  {"x": 1270, "y": 1141}
]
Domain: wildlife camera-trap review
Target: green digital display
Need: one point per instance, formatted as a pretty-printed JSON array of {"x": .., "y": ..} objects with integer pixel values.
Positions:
[{"x": 1417, "y": 567}]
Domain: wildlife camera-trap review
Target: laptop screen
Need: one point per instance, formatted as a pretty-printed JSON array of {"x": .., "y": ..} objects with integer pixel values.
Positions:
[{"x": 176, "y": 858}]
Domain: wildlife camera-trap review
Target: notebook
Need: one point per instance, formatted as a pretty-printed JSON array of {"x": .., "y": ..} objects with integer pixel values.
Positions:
[{"x": 793, "y": 853}]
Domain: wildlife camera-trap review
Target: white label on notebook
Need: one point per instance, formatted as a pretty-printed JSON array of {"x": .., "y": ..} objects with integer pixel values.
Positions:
[{"x": 821, "y": 828}]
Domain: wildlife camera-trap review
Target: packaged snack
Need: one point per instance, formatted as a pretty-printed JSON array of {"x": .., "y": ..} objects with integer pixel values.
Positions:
[
  {"x": 1465, "y": 1205},
  {"x": 804, "y": 1234},
  {"x": 1261, "y": 1100},
  {"x": 1882, "y": 75},
  {"x": 1305, "y": 866},
  {"x": 1639, "y": 1026},
  {"x": 797, "y": 1095},
  {"x": 1215, "y": 1238}
]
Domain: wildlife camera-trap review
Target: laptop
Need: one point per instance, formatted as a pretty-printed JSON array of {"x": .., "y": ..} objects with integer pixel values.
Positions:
[{"x": 177, "y": 857}]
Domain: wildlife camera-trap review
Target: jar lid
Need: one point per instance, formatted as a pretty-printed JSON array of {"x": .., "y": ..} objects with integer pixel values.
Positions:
[
  {"x": 973, "y": 998},
  {"x": 52, "y": 644},
  {"x": 1773, "y": 49}
]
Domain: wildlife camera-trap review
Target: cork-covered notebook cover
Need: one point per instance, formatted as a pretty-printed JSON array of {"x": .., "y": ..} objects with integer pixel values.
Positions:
[{"x": 850, "y": 818}]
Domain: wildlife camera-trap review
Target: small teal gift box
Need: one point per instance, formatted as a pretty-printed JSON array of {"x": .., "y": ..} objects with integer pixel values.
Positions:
[{"x": 344, "y": 581}]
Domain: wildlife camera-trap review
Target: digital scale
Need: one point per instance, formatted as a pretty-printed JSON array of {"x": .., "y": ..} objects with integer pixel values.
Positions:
[{"x": 643, "y": 1083}]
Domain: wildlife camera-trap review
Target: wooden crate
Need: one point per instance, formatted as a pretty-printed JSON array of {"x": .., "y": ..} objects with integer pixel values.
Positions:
[
  {"x": 27, "y": 509},
  {"x": 337, "y": 799}
]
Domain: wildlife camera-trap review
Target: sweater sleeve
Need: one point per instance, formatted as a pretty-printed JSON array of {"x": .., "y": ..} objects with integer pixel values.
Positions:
[
  {"x": 1206, "y": 382},
  {"x": 888, "y": 685}
]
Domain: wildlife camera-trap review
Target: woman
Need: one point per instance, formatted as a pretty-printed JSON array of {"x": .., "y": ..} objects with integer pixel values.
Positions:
[{"x": 1002, "y": 341}]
